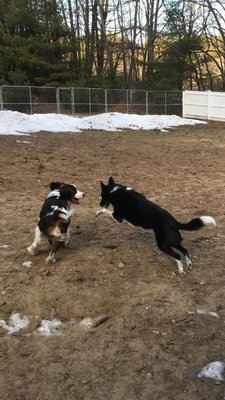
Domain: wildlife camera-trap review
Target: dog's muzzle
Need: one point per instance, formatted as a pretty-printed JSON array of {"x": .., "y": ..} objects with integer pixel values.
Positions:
[{"x": 78, "y": 196}]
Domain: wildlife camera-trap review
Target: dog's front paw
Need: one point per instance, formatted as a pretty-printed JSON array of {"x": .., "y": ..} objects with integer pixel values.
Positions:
[
  {"x": 98, "y": 213},
  {"x": 31, "y": 250},
  {"x": 189, "y": 263}
]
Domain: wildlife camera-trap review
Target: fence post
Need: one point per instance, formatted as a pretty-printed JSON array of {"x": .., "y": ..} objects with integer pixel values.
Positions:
[
  {"x": 183, "y": 104},
  {"x": 1, "y": 99},
  {"x": 89, "y": 100},
  {"x": 57, "y": 100},
  {"x": 127, "y": 101},
  {"x": 106, "y": 100},
  {"x": 72, "y": 101},
  {"x": 146, "y": 102},
  {"x": 165, "y": 102},
  {"x": 209, "y": 104},
  {"x": 30, "y": 97}
]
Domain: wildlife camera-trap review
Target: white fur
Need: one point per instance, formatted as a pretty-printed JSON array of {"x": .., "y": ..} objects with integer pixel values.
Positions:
[
  {"x": 53, "y": 193},
  {"x": 37, "y": 240},
  {"x": 67, "y": 239},
  {"x": 207, "y": 220},
  {"x": 51, "y": 259},
  {"x": 180, "y": 267},
  {"x": 56, "y": 208},
  {"x": 105, "y": 212},
  {"x": 67, "y": 214},
  {"x": 56, "y": 193},
  {"x": 116, "y": 187},
  {"x": 188, "y": 262},
  {"x": 79, "y": 195}
]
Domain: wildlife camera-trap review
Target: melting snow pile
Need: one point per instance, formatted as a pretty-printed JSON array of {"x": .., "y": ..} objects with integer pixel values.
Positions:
[{"x": 15, "y": 123}]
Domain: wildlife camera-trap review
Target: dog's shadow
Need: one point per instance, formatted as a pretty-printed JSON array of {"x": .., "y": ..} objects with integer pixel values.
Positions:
[{"x": 89, "y": 236}]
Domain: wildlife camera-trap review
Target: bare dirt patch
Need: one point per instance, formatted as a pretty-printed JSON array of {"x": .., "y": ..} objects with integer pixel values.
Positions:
[{"x": 153, "y": 342}]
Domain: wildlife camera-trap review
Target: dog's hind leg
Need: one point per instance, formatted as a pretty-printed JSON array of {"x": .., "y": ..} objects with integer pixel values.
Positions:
[
  {"x": 37, "y": 240},
  {"x": 67, "y": 239},
  {"x": 51, "y": 257},
  {"x": 185, "y": 253},
  {"x": 165, "y": 246}
]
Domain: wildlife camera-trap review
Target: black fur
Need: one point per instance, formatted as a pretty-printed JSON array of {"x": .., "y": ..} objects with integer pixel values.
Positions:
[{"x": 139, "y": 211}]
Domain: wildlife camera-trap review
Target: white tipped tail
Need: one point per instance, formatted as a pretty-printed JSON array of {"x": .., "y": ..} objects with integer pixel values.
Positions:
[{"x": 207, "y": 220}]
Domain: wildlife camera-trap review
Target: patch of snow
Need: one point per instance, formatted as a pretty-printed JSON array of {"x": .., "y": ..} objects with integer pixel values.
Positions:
[
  {"x": 49, "y": 328},
  {"x": 200, "y": 312},
  {"x": 15, "y": 123},
  {"x": 4, "y": 246},
  {"x": 87, "y": 323},
  {"x": 27, "y": 264},
  {"x": 212, "y": 313},
  {"x": 213, "y": 370},
  {"x": 16, "y": 323},
  {"x": 23, "y": 141}
]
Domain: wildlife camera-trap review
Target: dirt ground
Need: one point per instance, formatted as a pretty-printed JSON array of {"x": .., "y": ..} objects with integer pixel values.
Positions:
[{"x": 153, "y": 342}]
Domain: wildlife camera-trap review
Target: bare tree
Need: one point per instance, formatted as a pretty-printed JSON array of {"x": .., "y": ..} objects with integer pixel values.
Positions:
[
  {"x": 152, "y": 9},
  {"x": 215, "y": 34}
]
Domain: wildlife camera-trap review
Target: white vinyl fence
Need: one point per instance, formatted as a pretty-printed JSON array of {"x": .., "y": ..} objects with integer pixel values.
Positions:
[{"x": 204, "y": 105}]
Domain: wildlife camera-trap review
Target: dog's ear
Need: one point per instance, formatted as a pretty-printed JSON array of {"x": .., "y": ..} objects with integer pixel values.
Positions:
[
  {"x": 102, "y": 185},
  {"x": 111, "y": 182},
  {"x": 55, "y": 185}
]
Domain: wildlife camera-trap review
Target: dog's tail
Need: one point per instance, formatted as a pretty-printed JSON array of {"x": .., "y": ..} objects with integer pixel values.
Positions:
[{"x": 197, "y": 223}]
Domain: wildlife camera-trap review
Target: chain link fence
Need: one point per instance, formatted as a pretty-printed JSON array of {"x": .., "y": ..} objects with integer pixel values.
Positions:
[{"x": 88, "y": 101}]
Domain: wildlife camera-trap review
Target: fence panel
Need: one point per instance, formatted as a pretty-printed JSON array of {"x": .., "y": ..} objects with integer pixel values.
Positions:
[
  {"x": 204, "y": 105},
  {"x": 195, "y": 104},
  {"x": 82, "y": 100},
  {"x": 217, "y": 106},
  {"x": 117, "y": 100},
  {"x": 165, "y": 102},
  {"x": 173, "y": 103},
  {"x": 97, "y": 101},
  {"x": 137, "y": 102},
  {"x": 88, "y": 101},
  {"x": 16, "y": 99},
  {"x": 156, "y": 102},
  {"x": 66, "y": 101},
  {"x": 43, "y": 99}
]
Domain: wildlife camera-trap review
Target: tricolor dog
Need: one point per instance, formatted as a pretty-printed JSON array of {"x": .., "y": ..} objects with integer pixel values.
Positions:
[
  {"x": 55, "y": 217},
  {"x": 139, "y": 211}
]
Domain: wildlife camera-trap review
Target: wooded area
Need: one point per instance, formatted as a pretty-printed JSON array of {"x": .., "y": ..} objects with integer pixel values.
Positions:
[{"x": 148, "y": 44}]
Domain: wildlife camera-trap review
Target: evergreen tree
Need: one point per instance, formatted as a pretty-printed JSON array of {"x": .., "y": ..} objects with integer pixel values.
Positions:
[{"x": 33, "y": 44}]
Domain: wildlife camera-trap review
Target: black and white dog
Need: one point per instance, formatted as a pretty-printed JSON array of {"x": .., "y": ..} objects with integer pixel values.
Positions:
[
  {"x": 55, "y": 217},
  {"x": 137, "y": 210}
]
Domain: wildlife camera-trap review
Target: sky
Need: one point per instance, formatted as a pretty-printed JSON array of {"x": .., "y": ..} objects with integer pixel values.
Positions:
[{"x": 15, "y": 123}]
